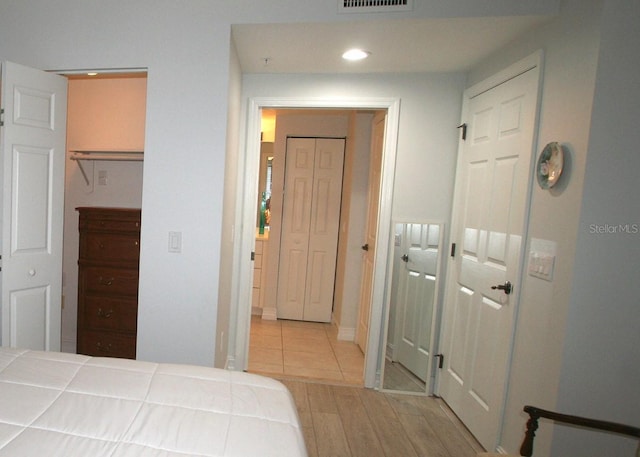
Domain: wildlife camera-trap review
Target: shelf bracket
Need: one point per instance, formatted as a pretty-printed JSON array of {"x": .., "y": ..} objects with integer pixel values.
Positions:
[{"x": 84, "y": 173}]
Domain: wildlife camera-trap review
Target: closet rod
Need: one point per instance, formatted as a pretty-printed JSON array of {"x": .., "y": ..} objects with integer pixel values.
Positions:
[{"x": 121, "y": 156}]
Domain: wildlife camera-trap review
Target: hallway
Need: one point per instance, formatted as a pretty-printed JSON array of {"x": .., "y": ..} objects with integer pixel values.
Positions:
[{"x": 307, "y": 350}]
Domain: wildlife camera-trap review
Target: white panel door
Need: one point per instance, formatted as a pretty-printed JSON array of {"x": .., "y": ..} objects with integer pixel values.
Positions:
[
  {"x": 296, "y": 219},
  {"x": 417, "y": 296},
  {"x": 323, "y": 230},
  {"x": 371, "y": 234},
  {"x": 33, "y": 153},
  {"x": 310, "y": 223},
  {"x": 492, "y": 187}
]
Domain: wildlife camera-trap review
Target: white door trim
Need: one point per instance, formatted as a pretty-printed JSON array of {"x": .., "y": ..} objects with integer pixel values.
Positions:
[
  {"x": 244, "y": 228},
  {"x": 531, "y": 61}
]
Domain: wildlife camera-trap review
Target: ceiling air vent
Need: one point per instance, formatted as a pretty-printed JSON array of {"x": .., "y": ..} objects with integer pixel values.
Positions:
[{"x": 374, "y": 6}]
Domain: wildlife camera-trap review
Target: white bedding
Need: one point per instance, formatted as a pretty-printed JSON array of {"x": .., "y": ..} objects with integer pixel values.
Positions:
[{"x": 56, "y": 404}]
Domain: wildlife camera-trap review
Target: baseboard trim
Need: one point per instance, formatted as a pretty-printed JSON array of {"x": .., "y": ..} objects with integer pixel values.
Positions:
[
  {"x": 270, "y": 314},
  {"x": 389, "y": 351},
  {"x": 230, "y": 363},
  {"x": 346, "y": 333},
  {"x": 68, "y": 346}
]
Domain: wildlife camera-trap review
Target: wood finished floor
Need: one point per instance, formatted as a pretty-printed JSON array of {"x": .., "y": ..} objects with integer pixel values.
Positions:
[
  {"x": 339, "y": 417},
  {"x": 346, "y": 421}
]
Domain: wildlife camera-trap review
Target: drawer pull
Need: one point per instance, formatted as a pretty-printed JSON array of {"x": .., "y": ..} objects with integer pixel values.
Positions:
[
  {"x": 101, "y": 245},
  {"x": 101, "y": 348},
  {"x": 104, "y": 315},
  {"x": 105, "y": 282}
]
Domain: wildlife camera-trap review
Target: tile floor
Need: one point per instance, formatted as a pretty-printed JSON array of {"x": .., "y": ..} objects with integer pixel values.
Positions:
[{"x": 307, "y": 350}]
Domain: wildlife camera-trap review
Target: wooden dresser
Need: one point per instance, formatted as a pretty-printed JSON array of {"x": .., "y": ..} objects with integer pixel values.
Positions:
[{"x": 109, "y": 253}]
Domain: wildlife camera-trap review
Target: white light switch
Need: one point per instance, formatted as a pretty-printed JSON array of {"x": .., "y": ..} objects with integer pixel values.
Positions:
[
  {"x": 542, "y": 258},
  {"x": 175, "y": 242}
]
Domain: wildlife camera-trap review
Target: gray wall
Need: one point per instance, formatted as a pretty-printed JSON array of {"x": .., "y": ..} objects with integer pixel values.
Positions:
[
  {"x": 600, "y": 374},
  {"x": 577, "y": 336}
]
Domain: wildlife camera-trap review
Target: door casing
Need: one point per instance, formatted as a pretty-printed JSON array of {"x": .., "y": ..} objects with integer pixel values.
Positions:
[{"x": 240, "y": 318}]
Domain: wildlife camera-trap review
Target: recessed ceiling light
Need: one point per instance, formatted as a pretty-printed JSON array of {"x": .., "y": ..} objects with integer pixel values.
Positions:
[{"x": 355, "y": 54}]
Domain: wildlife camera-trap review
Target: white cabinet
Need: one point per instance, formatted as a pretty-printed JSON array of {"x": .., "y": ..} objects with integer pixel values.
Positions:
[{"x": 260, "y": 272}]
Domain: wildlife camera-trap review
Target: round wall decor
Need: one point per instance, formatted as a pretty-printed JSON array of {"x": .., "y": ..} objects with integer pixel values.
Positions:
[{"x": 549, "y": 166}]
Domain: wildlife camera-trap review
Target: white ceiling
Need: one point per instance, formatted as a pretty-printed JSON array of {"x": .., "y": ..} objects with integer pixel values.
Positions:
[{"x": 397, "y": 46}]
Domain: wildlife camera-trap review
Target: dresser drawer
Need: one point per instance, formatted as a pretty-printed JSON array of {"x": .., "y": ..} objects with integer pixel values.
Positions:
[
  {"x": 106, "y": 344},
  {"x": 110, "y": 225},
  {"x": 110, "y": 314},
  {"x": 109, "y": 219},
  {"x": 108, "y": 281},
  {"x": 110, "y": 247}
]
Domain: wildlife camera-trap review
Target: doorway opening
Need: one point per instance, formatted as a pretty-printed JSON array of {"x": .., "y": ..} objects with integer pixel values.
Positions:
[
  {"x": 303, "y": 302},
  {"x": 240, "y": 357},
  {"x": 106, "y": 117}
]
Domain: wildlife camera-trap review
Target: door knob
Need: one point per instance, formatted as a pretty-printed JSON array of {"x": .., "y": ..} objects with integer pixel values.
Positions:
[
  {"x": 365, "y": 247},
  {"x": 506, "y": 287},
  {"x": 32, "y": 272},
  {"x": 405, "y": 258}
]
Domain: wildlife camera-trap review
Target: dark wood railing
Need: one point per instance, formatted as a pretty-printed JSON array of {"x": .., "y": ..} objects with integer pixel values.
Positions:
[{"x": 536, "y": 413}]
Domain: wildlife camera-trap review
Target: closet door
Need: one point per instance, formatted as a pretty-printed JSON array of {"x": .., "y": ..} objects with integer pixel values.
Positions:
[
  {"x": 32, "y": 156},
  {"x": 310, "y": 223}
]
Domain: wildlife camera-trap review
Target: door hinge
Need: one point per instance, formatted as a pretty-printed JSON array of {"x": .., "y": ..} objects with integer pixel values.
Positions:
[
  {"x": 1, "y": 117},
  {"x": 453, "y": 249},
  {"x": 464, "y": 131},
  {"x": 253, "y": 256},
  {"x": 440, "y": 358}
]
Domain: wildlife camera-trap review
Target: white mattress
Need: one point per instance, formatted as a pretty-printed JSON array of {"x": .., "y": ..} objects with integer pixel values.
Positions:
[{"x": 56, "y": 404}]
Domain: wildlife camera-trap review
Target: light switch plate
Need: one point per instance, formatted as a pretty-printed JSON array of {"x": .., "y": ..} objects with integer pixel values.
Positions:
[
  {"x": 175, "y": 242},
  {"x": 542, "y": 258}
]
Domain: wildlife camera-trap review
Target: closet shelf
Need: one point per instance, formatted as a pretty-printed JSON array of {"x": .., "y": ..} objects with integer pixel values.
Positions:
[
  {"x": 95, "y": 154},
  {"x": 122, "y": 155}
]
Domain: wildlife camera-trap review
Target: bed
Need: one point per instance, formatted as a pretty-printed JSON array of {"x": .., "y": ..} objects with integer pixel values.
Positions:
[{"x": 59, "y": 404}]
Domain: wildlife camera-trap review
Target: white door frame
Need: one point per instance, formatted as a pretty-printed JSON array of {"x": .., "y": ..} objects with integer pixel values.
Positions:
[{"x": 240, "y": 318}]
